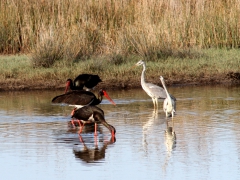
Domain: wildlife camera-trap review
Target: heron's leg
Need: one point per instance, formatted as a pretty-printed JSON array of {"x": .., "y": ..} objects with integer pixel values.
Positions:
[
  {"x": 156, "y": 102},
  {"x": 153, "y": 103},
  {"x": 172, "y": 124}
]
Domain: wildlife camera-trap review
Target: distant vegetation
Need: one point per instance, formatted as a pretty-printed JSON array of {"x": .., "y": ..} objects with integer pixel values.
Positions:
[{"x": 74, "y": 30}]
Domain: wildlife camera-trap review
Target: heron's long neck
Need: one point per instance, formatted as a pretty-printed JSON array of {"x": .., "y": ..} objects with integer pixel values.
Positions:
[
  {"x": 143, "y": 74},
  {"x": 168, "y": 96}
]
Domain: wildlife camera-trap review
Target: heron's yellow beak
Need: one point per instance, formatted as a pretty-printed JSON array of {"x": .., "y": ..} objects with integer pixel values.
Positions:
[{"x": 132, "y": 67}]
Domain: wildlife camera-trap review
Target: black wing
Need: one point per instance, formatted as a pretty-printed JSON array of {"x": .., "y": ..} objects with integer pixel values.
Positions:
[
  {"x": 88, "y": 80},
  {"x": 75, "y": 98}
]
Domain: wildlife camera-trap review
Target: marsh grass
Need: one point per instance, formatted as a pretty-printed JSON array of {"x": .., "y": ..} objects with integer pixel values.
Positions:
[
  {"x": 208, "y": 65},
  {"x": 76, "y": 30}
]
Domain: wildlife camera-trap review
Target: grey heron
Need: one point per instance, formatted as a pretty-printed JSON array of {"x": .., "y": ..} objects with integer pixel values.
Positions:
[
  {"x": 154, "y": 91},
  {"x": 169, "y": 104}
]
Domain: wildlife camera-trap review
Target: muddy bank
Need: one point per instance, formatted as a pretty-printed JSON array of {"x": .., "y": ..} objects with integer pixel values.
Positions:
[{"x": 16, "y": 85}]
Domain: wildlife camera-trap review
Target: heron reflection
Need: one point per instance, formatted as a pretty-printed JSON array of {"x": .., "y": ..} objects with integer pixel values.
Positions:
[
  {"x": 170, "y": 137},
  {"x": 170, "y": 142},
  {"x": 147, "y": 126}
]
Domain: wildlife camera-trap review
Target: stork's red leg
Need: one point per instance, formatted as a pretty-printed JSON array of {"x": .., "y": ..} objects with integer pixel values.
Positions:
[
  {"x": 96, "y": 142},
  {"x": 81, "y": 127},
  {"x": 80, "y": 123},
  {"x": 80, "y": 138},
  {"x": 95, "y": 132},
  {"x": 72, "y": 122}
]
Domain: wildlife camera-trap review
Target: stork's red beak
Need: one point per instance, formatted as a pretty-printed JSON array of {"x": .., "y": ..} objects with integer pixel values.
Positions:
[
  {"x": 67, "y": 86},
  {"x": 107, "y": 96},
  {"x": 113, "y": 138},
  {"x": 113, "y": 133}
]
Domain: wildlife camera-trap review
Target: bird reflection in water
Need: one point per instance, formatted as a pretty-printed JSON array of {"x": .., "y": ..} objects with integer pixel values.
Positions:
[
  {"x": 86, "y": 147},
  {"x": 170, "y": 137},
  {"x": 147, "y": 126},
  {"x": 88, "y": 128},
  {"x": 92, "y": 154},
  {"x": 170, "y": 142}
]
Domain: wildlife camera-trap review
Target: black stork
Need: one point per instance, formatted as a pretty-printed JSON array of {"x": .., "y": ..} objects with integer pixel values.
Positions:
[
  {"x": 91, "y": 114},
  {"x": 81, "y": 98},
  {"x": 89, "y": 81}
]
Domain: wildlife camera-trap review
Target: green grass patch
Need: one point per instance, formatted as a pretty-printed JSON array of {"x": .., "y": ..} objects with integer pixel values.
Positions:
[{"x": 117, "y": 70}]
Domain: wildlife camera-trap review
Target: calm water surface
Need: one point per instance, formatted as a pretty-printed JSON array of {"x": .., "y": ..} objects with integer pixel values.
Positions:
[{"x": 36, "y": 142}]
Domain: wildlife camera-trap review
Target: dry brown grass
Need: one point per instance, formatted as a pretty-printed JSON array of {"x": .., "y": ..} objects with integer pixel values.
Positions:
[{"x": 84, "y": 29}]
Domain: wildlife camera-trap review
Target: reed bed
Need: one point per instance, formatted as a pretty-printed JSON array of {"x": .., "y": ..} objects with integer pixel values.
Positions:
[{"x": 77, "y": 29}]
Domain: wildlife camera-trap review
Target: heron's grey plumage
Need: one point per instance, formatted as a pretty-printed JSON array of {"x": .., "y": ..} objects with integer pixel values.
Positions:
[
  {"x": 169, "y": 104},
  {"x": 154, "y": 91}
]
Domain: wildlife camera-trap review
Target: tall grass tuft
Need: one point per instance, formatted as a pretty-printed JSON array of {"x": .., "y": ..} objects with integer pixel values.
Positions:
[{"x": 48, "y": 50}]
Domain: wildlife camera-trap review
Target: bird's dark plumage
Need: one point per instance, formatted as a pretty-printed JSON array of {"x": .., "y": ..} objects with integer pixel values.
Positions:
[
  {"x": 81, "y": 97},
  {"x": 86, "y": 112},
  {"x": 76, "y": 98},
  {"x": 88, "y": 81},
  {"x": 92, "y": 114}
]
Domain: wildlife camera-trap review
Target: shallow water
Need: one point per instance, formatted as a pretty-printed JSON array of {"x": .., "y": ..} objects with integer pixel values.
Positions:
[{"x": 36, "y": 142}]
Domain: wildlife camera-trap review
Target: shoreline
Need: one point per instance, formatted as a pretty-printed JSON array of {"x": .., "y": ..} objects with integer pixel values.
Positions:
[
  {"x": 213, "y": 67},
  {"x": 18, "y": 85}
]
